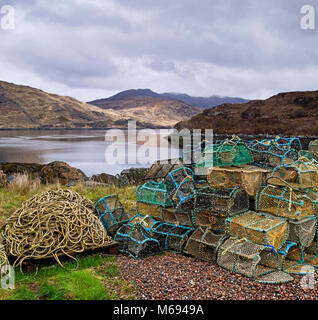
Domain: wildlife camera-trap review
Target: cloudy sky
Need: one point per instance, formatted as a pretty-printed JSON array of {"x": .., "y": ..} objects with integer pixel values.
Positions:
[{"x": 92, "y": 49}]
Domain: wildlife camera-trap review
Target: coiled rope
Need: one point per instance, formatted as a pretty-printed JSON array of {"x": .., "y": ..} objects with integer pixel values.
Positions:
[{"x": 51, "y": 224}]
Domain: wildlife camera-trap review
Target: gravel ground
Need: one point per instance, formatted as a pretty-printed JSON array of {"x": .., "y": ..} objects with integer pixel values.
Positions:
[{"x": 171, "y": 276}]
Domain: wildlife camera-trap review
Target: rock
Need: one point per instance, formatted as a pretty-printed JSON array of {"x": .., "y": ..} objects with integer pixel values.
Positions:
[
  {"x": 104, "y": 178},
  {"x": 59, "y": 171},
  {"x": 3, "y": 179},
  {"x": 30, "y": 169},
  {"x": 133, "y": 176}
]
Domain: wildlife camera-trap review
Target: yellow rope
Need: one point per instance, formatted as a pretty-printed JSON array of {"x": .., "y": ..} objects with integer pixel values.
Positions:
[
  {"x": 233, "y": 244},
  {"x": 180, "y": 185}
]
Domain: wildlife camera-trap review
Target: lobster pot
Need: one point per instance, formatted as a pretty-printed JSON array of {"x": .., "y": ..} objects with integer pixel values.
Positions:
[
  {"x": 279, "y": 258},
  {"x": 300, "y": 174},
  {"x": 147, "y": 222},
  {"x": 204, "y": 243},
  {"x": 134, "y": 240},
  {"x": 251, "y": 178},
  {"x": 181, "y": 189},
  {"x": 288, "y": 143},
  {"x": 111, "y": 213},
  {"x": 171, "y": 237},
  {"x": 259, "y": 228},
  {"x": 229, "y": 202},
  {"x": 208, "y": 219},
  {"x": 287, "y": 203},
  {"x": 303, "y": 231},
  {"x": 228, "y": 153},
  {"x": 269, "y": 154},
  {"x": 154, "y": 193},
  {"x": 173, "y": 216},
  {"x": 148, "y": 209},
  {"x": 161, "y": 168},
  {"x": 241, "y": 256}
]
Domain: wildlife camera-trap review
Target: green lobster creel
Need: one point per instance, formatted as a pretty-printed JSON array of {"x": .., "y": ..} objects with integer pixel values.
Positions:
[
  {"x": 154, "y": 193},
  {"x": 136, "y": 241},
  {"x": 171, "y": 237},
  {"x": 111, "y": 213},
  {"x": 225, "y": 154},
  {"x": 203, "y": 244},
  {"x": 259, "y": 228},
  {"x": 270, "y": 154},
  {"x": 244, "y": 257},
  {"x": 181, "y": 189}
]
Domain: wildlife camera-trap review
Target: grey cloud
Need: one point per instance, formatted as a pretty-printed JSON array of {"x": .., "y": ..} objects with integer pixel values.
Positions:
[{"x": 249, "y": 48}]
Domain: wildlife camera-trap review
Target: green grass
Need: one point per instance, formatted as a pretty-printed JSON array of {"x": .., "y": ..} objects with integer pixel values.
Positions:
[{"x": 97, "y": 276}]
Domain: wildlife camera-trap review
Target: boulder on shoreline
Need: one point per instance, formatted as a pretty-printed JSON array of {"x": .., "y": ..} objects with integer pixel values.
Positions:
[{"x": 54, "y": 172}]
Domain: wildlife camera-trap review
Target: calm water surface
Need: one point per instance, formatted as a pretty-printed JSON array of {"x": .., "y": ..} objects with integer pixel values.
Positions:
[{"x": 84, "y": 149}]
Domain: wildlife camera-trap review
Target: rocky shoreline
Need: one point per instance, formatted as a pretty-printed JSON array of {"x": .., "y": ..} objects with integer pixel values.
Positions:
[{"x": 62, "y": 173}]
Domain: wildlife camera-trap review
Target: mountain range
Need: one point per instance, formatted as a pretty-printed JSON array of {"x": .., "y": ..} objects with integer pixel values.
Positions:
[
  {"x": 24, "y": 107},
  {"x": 202, "y": 102}
]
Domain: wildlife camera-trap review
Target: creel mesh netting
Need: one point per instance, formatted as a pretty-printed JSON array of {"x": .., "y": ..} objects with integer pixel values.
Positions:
[
  {"x": 136, "y": 241},
  {"x": 204, "y": 243},
  {"x": 251, "y": 178},
  {"x": 259, "y": 228},
  {"x": 111, "y": 213},
  {"x": 171, "y": 237}
]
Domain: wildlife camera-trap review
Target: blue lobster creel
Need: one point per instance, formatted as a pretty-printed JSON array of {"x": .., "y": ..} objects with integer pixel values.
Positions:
[
  {"x": 270, "y": 154},
  {"x": 136, "y": 241},
  {"x": 290, "y": 143},
  {"x": 181, "y": 189},
  {"x": 172, "y": 237},
  {"x": 111, "y": 213},
  {"x": 154, "y": 193}
]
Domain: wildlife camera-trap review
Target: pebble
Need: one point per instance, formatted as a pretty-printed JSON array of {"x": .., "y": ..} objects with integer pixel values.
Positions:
[{"x": 174, "y": 276}]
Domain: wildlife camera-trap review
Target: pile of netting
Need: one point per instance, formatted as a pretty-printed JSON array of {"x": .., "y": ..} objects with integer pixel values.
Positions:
[{"x": 51, "y": 224}]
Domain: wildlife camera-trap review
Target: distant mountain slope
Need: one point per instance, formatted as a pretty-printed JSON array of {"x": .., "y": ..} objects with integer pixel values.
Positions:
[
  {"x": 290, "y": 113},
  {"x": 203, "y": 102},
  {"x": 150, "y": 109}
]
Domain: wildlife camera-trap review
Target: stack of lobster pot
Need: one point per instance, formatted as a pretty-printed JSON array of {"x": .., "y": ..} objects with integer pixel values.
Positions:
[
  {"x": 224, "y": 197},
  {"x": 291, "y": 194}
]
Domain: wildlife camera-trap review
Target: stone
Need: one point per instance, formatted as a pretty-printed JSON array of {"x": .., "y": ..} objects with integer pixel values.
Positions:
[{"x": 60, "y": 172}]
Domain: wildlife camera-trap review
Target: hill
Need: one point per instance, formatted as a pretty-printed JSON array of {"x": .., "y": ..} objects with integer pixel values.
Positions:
[
  {"x": 289, "y": 113},
  {"x": 149, "y": 109},
  {"x": 203, "y": 102}
]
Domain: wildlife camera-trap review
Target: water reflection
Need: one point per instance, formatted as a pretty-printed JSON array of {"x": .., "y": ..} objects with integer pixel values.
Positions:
[{"x": 83, "y": 149}]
